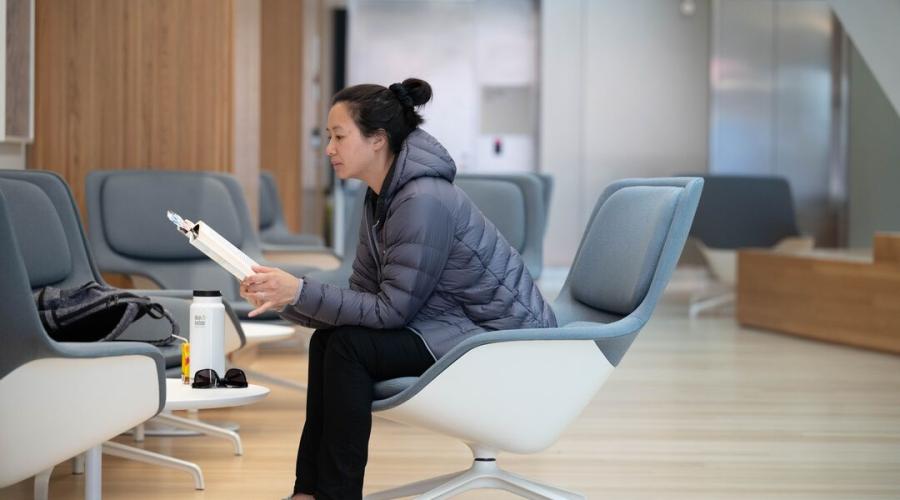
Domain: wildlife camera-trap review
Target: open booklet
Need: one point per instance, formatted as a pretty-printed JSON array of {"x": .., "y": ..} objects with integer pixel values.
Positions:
[{"x": 217, "y": 248}]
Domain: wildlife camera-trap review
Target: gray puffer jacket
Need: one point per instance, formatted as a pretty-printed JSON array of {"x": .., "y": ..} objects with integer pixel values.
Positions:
[{"x": 427, "y": 260}]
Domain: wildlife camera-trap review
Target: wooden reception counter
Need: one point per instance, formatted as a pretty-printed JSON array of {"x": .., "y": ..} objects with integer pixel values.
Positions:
[{"x": 838, "y": 296}]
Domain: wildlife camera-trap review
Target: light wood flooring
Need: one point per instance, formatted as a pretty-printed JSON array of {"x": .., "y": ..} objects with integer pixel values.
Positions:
[{"x": 697, "y": 409}]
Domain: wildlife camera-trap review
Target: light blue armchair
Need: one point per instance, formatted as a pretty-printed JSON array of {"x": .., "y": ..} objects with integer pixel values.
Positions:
[{"x": 518, "y": 390}]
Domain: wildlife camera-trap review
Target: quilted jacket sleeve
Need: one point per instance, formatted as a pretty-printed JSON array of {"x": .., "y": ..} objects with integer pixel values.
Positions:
[
  {"x": 361, "y": 279},
  {"x": 417, "y": 237}
]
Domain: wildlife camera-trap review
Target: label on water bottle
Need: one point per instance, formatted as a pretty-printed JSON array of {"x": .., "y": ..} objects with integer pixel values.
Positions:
[{"x": 200, "y": 320}]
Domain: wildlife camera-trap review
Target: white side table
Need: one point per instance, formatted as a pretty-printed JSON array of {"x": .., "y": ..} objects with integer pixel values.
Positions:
[
  {"x": 182, "y": 397},
  {"x": 256, "y": 332}
]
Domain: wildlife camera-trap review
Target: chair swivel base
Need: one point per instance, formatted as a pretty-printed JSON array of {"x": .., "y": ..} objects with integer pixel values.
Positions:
[{"x": 484, "y": 473}]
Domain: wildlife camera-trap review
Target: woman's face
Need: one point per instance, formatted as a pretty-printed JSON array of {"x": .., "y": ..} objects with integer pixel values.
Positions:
[{"x": 352, "y": 155}]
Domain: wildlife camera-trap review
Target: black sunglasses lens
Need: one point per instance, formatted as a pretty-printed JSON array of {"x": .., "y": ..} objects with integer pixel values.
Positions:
[
  {"x": 205, "y": 379},
  {"x": 235, "y": 377}
]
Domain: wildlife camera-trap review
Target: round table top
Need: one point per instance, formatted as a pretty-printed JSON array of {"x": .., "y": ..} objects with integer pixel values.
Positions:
[
  {"x": 183, "y": 397},
  {"x": 256, "y": 332}
]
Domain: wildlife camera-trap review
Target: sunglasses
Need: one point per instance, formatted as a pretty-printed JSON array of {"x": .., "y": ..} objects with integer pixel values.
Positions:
[{"x": 207, "y": 378}]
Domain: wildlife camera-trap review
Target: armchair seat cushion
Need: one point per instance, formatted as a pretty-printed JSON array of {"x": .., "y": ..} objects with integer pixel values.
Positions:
[{"x": 387, "y": 388}]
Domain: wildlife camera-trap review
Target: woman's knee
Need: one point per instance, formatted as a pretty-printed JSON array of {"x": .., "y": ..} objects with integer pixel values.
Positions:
[
  {"x": 319, "y": 341},
  {"x": 344, "y": 341}
]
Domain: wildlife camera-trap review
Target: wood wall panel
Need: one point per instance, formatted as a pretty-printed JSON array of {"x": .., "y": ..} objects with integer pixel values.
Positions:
[
  {"x": 132, "y": 84},
  {"x": 281, "y": 71}
]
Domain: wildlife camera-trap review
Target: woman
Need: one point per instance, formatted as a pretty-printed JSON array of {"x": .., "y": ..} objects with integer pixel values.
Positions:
[{"x": 429, "y": 270}]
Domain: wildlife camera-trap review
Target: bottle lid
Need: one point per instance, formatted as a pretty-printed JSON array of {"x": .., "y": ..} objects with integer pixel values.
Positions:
[{"x": 207, "y": 293}]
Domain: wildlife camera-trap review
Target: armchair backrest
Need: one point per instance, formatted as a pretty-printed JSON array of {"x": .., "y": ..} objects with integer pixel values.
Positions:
[
  {"x": 129, "y": 232},
  {"x": 46, "y": 222},
  {"x": 21, "y": 334},
  {"x": 738, "y": 211},
  {"x": 270, "y": 213},
  {"x": 629, "y": 250},
  {"x": 514, "y": 203}
]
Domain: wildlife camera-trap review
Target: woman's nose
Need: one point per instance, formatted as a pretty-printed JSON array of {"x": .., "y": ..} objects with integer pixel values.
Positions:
[{"x": 329, "y": 148}]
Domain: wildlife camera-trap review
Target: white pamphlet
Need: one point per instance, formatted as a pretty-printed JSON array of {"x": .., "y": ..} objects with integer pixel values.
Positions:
[{"x": 217, "y": 248}]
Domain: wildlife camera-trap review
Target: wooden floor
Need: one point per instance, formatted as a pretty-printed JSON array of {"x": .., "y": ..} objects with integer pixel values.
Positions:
[{"x": 697, "y": 409}]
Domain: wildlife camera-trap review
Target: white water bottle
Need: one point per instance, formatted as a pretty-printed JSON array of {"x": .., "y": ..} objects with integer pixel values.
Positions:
[{"x": 207, "y": 332}]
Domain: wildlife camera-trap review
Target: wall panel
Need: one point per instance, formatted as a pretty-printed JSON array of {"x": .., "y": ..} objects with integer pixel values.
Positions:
[
  {"x": 281, "y": 73},
  {"x": 132, "y": 84}
]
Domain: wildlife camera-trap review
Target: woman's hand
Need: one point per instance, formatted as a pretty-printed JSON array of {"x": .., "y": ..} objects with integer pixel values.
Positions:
[{"x": 269, "y": 288}]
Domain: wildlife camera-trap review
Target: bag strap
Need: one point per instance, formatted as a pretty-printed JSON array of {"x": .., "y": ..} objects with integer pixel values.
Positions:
[
  {"x": 137, "y": 307},
  {"x": 157, "y": 311}
]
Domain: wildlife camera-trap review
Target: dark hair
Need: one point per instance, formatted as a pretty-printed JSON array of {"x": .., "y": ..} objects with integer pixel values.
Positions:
[{"x": 392, "y": 109}]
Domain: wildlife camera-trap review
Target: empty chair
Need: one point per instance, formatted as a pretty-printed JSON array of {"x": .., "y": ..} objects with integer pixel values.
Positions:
[
  {"x": 129, "y": 232},
  {"x": 741, "y": 212},
  {"x": 88, "y": 392},
  {"x": 273, "y": 232},
  {"x": 517, "y": 390},
  {"x": 514, "y": 203}
]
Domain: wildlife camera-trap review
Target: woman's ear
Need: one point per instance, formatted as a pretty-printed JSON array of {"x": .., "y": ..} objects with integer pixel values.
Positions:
[{"x": 379, "y": 140}]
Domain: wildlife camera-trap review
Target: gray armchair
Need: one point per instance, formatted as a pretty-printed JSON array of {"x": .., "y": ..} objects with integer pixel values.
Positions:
[
  {"x": 129, "y": 232},
  {"x": 273, "y": 232},
  {"x": 68, "y": 398},
  {"x": 515, "y": 204},
  {"x": 518, "y": 390},
  {"x": 42, "y": 199}
]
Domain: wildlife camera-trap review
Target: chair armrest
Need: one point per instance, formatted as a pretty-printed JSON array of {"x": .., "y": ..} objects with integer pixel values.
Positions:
[
  {"x": 324, "y": 259},
  {"x": 158, "y": 292},
  {"x": 283, "y": 247},
  {"x": 113, "y": 349}
]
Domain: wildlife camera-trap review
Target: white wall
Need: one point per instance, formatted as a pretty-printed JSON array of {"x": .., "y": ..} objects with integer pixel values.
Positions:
[
  {"x": 459, "y": 48},
  {"x": 624, "y": 93},
  {"x": 874, "y": 157},
  {"x": 874, "y": 27},
  {"x": 12, "y": 155}
]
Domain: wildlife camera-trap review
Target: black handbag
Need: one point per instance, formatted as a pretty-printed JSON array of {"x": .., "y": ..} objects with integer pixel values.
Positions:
[{"x": 93, "y": 312}]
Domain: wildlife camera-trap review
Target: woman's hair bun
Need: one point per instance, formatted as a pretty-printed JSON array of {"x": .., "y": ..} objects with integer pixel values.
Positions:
[{"x": 419, "y": 90}]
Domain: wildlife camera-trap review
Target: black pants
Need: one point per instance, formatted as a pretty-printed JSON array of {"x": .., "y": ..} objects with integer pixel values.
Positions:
[{"x": 344, "y": 364}]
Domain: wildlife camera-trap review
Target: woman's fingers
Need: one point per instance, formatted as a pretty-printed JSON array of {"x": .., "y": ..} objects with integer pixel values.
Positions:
[
  {"x": 258, "y": 283},
  {"x": 261, "y": 309}
]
